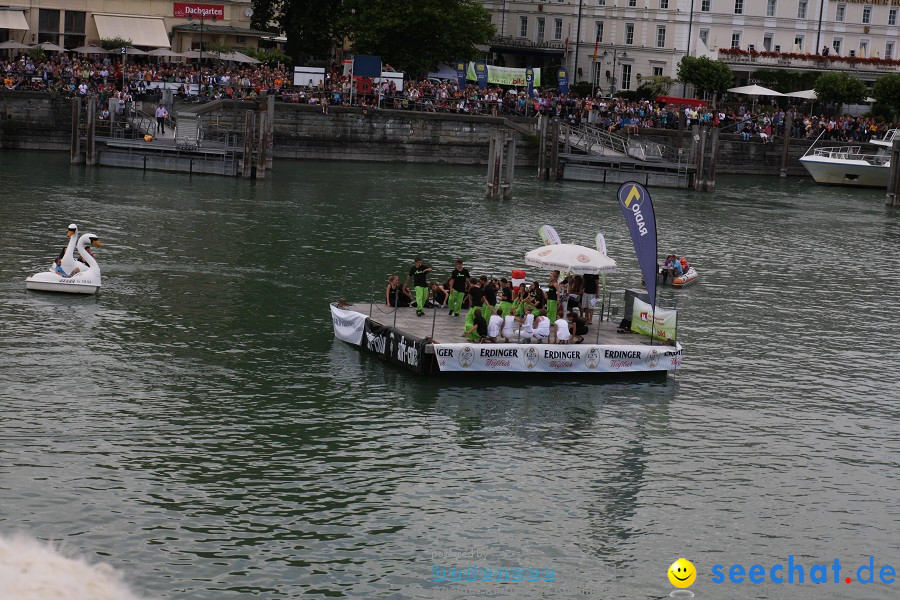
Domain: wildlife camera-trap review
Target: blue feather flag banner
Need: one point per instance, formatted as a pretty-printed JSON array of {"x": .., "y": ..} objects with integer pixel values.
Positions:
[{"x": 634, "y": 200}]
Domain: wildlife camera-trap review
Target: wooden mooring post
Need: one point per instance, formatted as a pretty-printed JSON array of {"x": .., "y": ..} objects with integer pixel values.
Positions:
[
  {"x": 542, "y": 148},
  {"x": 710, "y": 185},
  {"x": 788, "y": 124},
  {"x": 261, "y": 146},
  {"x": 91, "y": 143},
  {"x": 700, "y": 135},
  {"x": 893, "y": 189},
  {"x": 270, "y": 129},
  {"x": 554, "y": 150},
  {"x": 247, "y": 166},
  {"x": 500, "y": 174}
]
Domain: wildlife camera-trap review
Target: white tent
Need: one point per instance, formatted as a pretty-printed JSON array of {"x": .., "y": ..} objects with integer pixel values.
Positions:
[
  {"x": 570, "y": 258},
  {"x": 754, "y": 90}
]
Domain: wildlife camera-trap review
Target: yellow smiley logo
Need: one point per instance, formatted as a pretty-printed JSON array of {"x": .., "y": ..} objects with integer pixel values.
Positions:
[{"x": 682, "y": 573}]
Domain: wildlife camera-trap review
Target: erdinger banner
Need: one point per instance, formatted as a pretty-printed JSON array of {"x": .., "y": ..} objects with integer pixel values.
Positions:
[
  {"x": 348, "y": 325},
  {"x": 394, "y": 346},
  {"x": 552, "y": 358},
  {"x": 634, "y": 200},
  {"x": 659, "y": 324}
]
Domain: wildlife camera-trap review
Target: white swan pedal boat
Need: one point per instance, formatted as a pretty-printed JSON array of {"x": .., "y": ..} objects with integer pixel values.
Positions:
[
  {"x": 689, "y": 277},
  {"x": 86, "y": 281}
]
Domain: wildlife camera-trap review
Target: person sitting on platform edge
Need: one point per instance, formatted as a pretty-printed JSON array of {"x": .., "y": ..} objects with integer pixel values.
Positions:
[
  {"x": 395, "y": 295},
  {"x": 420, "y": 278}
]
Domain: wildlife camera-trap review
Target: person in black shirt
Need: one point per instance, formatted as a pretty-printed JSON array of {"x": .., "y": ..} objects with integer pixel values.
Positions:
[
  {"x": 478, "y": 330},
  {"x": 459, "y": 283},
  {"x": 419, "y": 273},
  {"x": 438, "y": 294},
  {"x": 490, "y": 294},
  {"x": 506, "y": 296},
  {"x": 589, "y": 298}
]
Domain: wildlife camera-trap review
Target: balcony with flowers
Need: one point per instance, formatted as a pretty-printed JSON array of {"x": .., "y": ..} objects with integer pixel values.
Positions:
[{"x": 767, "y": 58}]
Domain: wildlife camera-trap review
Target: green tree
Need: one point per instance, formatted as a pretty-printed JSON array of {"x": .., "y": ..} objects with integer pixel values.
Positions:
[
  {"x": 311, "y": 26},
  {"x": 704, "y": 74},
  {"x": 415, "y": 37},
  {"x": 839, "y": 88},
  {"x": 886, "y": 92},
  {"x": 115, "y": 43},
  {"x": 655, "y": 85}
]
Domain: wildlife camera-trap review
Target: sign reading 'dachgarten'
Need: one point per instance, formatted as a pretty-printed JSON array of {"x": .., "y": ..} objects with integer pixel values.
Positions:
[
  {"x": 394, "y": 346},
  {"x": 663, "y": 325},
  {"x": 205, "y": 11},
  {"x": 551, "y": 358},
  {"x": 349, "y": 325}
]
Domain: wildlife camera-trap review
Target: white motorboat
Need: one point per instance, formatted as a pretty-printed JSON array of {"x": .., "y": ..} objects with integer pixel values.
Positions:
[
  {"x": 847, "y": 165},
  {"x": 85, "y": 281}
]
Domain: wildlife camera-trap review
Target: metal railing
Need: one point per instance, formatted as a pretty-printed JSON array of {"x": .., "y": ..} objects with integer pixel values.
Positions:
[
  {"x": 851, "y": 153},
  {"x": 591, "y": 139}
]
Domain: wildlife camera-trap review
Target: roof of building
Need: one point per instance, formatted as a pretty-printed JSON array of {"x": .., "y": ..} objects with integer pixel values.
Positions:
[{"x": 220, "y": 29}]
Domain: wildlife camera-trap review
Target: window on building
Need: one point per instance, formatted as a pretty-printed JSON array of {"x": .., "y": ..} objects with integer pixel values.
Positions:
[
  {"x": 704, "y": 36},
  {"x": 523, "y": 26},
  {"x": 664, "y": 4},
  {"x": 632, "y": 3},
  {"x": 540, "y": 31},
  {"x": 801, "y": 9},
  {"x": 661, "y": 36},
  {"x": 73, "y": 29},
  {"x": 629, "y": 33},
  {"x": 864, "y": 48},
  {"x": 852, "y": 53},
  {"x": 889, "y": 50},
  {"x": 839, "y": 12},
  {"x": 770, "y": 8},
  {"x": 240, "y": 39},
  {"x": 892, "y": 16},
  {"x": 798, "y": 43},
  {"x": 767, "y": 42},
  {"x": 738, "y": 7},
  {"x": 836, "y": 45},
  {"x": 704, "y": 6},
  {"x": 657, "y": 71},
  {"x": 867, "y": 14},
  {"x": 602, "y": 2},
  {"x": 557, "y": 29},
  {"x": 777, "y": 48},
  {"x": 736, "y": 39},
  {"x": 599, "y": 38},
  {"x": 48, "y": 26},
  {"x": 626, "y": 77}
]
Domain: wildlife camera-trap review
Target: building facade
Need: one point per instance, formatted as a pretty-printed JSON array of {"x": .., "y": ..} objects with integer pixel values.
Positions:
[
  {"x": 617, "y": 43},
  {"x": 147, "y": 23}
]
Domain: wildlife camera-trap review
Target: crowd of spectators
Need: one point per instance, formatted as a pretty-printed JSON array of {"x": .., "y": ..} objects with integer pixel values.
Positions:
[{"x": 103, "y": 77}]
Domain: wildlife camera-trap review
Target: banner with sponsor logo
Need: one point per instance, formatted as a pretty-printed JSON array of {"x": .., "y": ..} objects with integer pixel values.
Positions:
[
  {"x": 503, "y": 75},
  {"x": 634, "y": 200},
  {"x": 662, "y": 322},
  {"x": 529, "y": 79},
  {"x": 562, "y": 77},
  {"x": 348, "y": 325},
  {"x": 395, "y": 346},
  {"x": 550, "y": 358},
  {"x": 192, "y": 9},
  {"x": 481, "y": 74},
  {"x": 461, "y": 67}
]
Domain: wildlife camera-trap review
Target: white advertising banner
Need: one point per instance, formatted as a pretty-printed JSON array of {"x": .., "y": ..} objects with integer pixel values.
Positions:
[
  {"x": 664, "y": 321},
  {"x": 552, "y": 358},
  {"x": 349, "y": 326}
]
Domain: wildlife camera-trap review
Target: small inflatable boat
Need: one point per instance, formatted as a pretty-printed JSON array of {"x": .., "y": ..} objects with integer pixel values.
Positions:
[{"x": 688, "y": 278}]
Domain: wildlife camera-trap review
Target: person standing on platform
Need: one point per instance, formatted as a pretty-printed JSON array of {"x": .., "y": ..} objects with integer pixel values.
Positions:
[
  {"x": 506, "y": 297},
  {"x": 161, "y": 114},
  {"x": 419, "y": 273},
  {"x": 490, "y": 294},
  {"x": 553, "y": 297},
  {"x": 475, "y": 302},
  {"x": 459, "y": 285}
]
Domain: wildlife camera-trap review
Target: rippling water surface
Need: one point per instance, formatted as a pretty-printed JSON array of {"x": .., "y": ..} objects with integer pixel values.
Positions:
[{"x": 196, "y": 425}]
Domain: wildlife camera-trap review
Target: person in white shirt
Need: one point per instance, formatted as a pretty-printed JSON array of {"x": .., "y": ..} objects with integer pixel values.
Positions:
[
  {"x": 527, "y": 329},
  {"x": 494, "y": 325},
  {"x": 541, "y": 327},
  {"x": 562, "y": 331},
  {"x": 509, "y": 327}
]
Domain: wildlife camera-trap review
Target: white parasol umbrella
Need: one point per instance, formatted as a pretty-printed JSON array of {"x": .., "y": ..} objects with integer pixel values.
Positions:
[
  {"x": 806, "y": 94},
  {"x": 570, "y": 258},
  {"x": 90, "y": 50},
  {"x": 11, "y": 45},
  {"x": 130, "y": 51},
  {"x": 50, "y": 47},
  {"x": 164, "y": 52},
  {"x": 754, "y": 90},
  {"x": 239, "y": 57}
]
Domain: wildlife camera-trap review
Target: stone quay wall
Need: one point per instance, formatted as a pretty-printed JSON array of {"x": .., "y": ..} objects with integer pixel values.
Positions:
[{"x": 34, "y": 121}]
